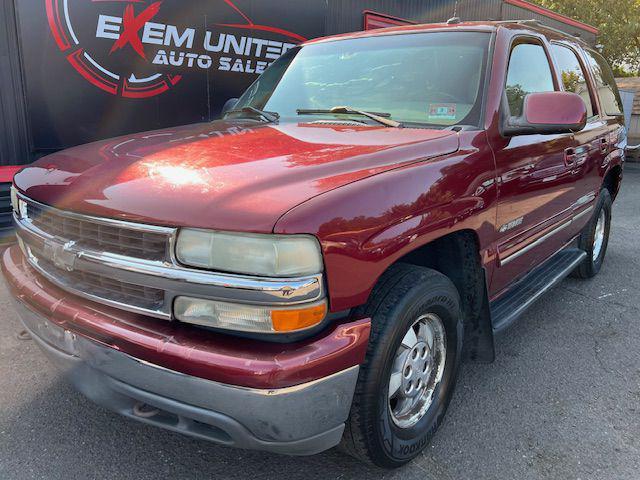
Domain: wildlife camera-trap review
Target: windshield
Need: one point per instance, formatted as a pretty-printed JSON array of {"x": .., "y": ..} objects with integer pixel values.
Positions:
[{"x": 427, "y": 78}]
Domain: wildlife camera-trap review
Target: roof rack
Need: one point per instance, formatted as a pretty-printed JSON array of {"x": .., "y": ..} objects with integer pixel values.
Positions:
[{"x": 537, "y": 23}]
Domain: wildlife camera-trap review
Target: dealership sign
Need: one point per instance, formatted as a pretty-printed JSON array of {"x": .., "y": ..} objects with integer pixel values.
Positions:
[{"x": 129, "y": 48}]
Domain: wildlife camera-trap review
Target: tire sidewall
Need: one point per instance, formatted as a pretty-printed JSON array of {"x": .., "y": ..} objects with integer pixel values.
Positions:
[
  {"x": 401, "y": 445},
  {"x": 604, "y": 203}
]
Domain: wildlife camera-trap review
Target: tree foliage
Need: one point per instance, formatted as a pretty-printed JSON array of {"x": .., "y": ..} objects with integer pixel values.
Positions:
[{"x": 618, "y": 22}]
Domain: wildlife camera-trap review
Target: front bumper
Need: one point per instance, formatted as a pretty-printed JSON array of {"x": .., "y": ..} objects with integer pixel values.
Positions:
[
  {"x": 300, "y": 420},
  {"x": 291, "y": 399}
]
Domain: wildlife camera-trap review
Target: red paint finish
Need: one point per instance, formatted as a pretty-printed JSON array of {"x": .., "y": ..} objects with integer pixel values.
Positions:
[
  {"x": 368, "y": 225},
  {"x": 555, "y": 108},
  {"x": 187, "y": 349},
  {"x": 402, "y": 29},
  {"x": 7, "y": 173},
  {"x": 535, "y": 183},
  {"x": 227, "y": 176}
]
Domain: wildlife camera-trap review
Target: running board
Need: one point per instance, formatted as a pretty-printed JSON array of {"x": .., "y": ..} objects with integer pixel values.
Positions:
[{"x": 506, "y": 309}]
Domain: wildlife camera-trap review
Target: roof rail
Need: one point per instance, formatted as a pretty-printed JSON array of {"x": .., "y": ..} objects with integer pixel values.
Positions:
[{"x": 532, "y": 22}]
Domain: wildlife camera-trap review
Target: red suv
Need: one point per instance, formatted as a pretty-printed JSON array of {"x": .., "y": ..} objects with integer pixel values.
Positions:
[{"x": 311, "y": 269}]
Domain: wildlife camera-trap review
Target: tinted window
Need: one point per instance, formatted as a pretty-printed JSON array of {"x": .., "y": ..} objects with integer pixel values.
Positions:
[
  {"x": 606, "y": 84},
  {"x": 428, "y": 78},
  {"x": 529, "y": 72},
  {"x": 573, "y": 76}
]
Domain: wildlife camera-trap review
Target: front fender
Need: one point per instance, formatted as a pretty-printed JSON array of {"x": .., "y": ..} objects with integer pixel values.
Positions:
[{"x": 366, "y": 226}]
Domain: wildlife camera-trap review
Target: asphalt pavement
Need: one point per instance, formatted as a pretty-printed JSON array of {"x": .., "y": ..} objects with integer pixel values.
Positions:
[{"x": 562, "y": 401}]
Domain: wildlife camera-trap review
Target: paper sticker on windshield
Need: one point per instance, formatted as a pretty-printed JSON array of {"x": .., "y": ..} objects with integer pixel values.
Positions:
[{"x": 442, "y": 111}]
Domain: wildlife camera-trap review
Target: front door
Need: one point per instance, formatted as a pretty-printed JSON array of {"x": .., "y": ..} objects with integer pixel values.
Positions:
[{"x": 536, "y": 174}]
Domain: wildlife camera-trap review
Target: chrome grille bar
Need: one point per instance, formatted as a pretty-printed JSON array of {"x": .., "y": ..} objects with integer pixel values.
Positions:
[
  {"x": 135, "y": 283},
  {"x": 90, "y": 234}
]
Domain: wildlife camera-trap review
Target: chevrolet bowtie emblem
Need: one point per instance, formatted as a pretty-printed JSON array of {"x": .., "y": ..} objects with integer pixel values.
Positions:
[{"x": 62, "y": 256}]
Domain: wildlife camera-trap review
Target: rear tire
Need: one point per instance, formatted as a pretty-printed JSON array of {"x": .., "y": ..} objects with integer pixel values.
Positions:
[
  {"x": 388, "y": 430},
  {"x": 594, "y": 239}
]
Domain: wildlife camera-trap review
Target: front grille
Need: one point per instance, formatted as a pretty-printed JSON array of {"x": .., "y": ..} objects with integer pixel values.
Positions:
[
  {"x": 107, "y": 288},
  {"x": 57, "y": 244},
  {"x": 99, "y": 237}
]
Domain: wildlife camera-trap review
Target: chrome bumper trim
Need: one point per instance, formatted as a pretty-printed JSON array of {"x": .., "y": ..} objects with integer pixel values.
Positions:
[{"x": 299, "y": 420}]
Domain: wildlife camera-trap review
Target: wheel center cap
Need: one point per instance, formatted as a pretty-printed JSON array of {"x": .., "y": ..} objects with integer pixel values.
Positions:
[{"x": 416, "y": 369}]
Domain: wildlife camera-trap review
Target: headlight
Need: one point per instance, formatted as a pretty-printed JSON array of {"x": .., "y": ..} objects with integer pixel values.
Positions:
[
  {"x": 248, "y": 318},
  {"x": 253, "y": 254}
]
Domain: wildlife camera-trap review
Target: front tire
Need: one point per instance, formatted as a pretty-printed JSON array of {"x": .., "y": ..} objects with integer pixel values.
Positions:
[
  {"x": 407, "y": 379},
  {"x": 594, "y": 239}
]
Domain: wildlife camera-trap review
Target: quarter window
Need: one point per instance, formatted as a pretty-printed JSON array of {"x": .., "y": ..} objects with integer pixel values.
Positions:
[
  {"x": 529, "y": 72},
  {"x": 573, "y": 76},
  {"x": 605, "y": 83}
]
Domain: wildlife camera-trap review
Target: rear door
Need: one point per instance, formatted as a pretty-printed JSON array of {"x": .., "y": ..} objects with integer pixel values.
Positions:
[
  {"x": 592, "y": 142},
  {"x": 536, "y": 173},
  {"x": 612, "y": 134}
]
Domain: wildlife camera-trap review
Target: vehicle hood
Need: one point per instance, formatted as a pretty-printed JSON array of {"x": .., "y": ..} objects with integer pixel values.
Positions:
[{"x": 222, "y": 175}]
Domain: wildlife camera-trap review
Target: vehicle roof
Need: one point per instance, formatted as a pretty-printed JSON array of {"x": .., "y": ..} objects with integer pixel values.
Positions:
[{"x": 479, "y": 26}]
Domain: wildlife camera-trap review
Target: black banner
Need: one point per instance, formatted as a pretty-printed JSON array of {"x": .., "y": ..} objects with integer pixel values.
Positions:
[{"x": 101, "y": 68}]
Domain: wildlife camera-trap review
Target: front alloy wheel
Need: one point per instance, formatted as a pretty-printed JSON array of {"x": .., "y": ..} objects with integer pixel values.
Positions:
[
  {"x": 417, "y": 370},
  {"x": 407, "y": 379}
]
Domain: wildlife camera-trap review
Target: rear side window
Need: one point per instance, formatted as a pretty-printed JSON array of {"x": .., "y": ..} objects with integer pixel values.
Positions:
[
  {"x": 605, "y": 83},
  {"x": 529, "y": 72},
  {"x": 573, "y": 76}
]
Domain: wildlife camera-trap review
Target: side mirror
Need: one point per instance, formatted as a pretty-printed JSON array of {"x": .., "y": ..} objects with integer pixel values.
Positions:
[
  {"x": 229, "y": 105},
  {"x": 548, "y": 113}
]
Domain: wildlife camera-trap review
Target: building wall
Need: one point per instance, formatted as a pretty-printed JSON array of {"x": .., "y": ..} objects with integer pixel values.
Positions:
[
  {"x": 346, "y": 15},
  {"x": 630, "y": 93},
  {"x": 14, "y": 137}
]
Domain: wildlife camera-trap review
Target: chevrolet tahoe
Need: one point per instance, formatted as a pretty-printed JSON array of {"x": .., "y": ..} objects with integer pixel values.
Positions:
[{"x": 311, "y": 269}]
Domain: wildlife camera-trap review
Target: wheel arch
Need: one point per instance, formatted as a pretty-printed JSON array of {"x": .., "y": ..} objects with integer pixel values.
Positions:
[
  {"x": 612, "y": 180},
  {"x": 457, "y": 255}
]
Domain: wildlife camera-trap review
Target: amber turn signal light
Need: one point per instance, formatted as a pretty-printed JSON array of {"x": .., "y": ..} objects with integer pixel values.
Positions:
[{"x": 291, "y": 320}]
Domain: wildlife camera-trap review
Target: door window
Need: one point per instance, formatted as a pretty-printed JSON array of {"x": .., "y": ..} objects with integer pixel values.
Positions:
[
  {"x": 573, "y": 76},
  {"x": 529, "y": 72},
  {"x": 606, "y": 84}
]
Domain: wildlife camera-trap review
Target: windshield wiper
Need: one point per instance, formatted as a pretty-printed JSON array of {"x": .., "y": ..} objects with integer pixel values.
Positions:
[
  {"x": 376, "y": 116},
  {"x": 267, "y": 116}
]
